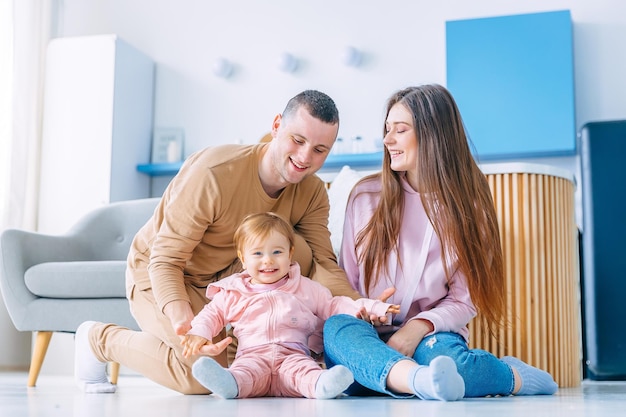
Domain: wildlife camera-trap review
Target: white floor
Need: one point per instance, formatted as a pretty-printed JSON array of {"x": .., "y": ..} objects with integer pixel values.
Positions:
[{"x": 136, "y": 396}]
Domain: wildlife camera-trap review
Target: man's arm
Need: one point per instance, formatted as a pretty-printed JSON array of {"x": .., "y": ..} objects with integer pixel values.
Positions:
[
  {"x": 334, "y": 280},
  {"x": 313, "y": 227}
]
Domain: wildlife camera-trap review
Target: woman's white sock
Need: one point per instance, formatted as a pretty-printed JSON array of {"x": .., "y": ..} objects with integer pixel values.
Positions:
[{"x": 438, "y": 381}]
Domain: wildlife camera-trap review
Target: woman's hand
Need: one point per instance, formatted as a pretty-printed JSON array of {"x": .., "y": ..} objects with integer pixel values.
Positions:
[
  {"x": 406, "y": 339},
  {"x": 393, "y": 309},
  {"x": 379, "y": 321},
  {"x": 375, "y": 320}
]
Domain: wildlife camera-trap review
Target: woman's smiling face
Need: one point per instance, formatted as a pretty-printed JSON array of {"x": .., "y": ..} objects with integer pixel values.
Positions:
[{"x": 401, "y": 142}]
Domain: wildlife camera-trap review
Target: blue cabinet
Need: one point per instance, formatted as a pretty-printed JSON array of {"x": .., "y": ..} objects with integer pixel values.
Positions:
[{"x": 513, "y": 80}]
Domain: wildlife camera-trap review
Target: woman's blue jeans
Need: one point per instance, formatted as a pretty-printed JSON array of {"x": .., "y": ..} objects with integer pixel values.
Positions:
[{"x": 355, "y": 344}]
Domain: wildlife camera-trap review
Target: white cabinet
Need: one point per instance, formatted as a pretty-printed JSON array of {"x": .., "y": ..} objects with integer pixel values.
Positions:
[{"x": 97, "y": 124}]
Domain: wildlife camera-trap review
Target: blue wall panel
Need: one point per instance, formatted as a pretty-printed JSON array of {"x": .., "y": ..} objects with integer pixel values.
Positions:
[{"x": 513, "y": 80}]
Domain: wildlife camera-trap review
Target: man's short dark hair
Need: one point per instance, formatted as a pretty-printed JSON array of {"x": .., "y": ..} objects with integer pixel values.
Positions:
[{"x": 317, "y": 104}]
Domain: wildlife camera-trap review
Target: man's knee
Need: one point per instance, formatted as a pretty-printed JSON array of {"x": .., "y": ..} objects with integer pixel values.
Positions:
[{"x": 191, "y": 388}]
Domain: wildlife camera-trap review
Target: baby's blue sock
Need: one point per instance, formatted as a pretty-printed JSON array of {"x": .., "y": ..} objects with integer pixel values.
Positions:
[
  {"x": 534, "y": 380},
  {"x": 215, "y": 378},
  {"x": 437, "y": 381},
  {"x": 333, "y": 382}
]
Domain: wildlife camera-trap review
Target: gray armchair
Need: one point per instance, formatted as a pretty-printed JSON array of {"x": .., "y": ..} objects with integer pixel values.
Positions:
[{"x": 54, "y": 283}]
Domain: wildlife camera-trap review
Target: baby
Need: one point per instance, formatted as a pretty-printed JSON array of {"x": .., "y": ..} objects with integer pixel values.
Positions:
[{"x": 277, "y": 316}]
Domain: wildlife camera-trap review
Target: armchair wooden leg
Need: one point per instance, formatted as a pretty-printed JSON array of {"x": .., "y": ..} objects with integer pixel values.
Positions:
[
  {"x": 39, "y": 353},
  {"x": 115, "y": 372}
]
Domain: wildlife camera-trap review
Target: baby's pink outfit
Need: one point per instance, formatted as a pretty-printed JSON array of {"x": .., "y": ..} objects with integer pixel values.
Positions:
[{"x": 276, "y": 326}]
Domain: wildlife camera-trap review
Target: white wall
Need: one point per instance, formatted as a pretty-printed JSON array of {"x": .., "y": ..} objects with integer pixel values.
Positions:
[{"x": 403, "y": 42}]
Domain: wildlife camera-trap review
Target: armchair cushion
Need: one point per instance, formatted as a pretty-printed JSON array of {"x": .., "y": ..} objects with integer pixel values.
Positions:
[
  {"x": 54, "y": 283},
  {"x": 86, "y": 279}
]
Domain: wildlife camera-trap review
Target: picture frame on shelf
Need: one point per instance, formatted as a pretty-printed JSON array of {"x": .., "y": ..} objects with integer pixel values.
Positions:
[{"x": 167, "y": 145}]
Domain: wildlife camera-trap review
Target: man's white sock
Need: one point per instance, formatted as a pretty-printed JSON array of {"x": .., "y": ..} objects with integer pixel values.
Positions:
[{"x": 89, "y": 372}]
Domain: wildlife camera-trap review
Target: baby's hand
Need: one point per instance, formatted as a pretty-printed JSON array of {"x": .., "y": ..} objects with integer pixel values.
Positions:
[
  {"x": 375, "y": 320},
  {"x": 198, "y": 345},
  {"x": 192, "y": 344}
]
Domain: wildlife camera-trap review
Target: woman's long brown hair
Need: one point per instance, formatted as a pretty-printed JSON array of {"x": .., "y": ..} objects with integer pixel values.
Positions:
[{"x": 456, "y": 198}]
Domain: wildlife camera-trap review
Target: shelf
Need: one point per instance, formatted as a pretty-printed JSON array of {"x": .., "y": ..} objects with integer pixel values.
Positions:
[
  {"x": 160, "y": 169},
  {"x": 354, "y": 160},
  {"x": 333, "y": 162}
]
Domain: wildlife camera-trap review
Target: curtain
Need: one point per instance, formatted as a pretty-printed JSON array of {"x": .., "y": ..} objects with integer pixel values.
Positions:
[
  {"x": 25, "y": 29},
  {"x": 32, "y": 22},
  {"x": 6, "y": 100}
]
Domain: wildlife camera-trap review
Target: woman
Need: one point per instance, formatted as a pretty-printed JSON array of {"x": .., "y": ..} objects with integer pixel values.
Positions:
[{"x": 425, "y": 225}]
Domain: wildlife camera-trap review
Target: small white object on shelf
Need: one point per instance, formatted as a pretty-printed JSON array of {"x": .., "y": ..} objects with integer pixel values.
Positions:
[{"x": 167, "y": 145}]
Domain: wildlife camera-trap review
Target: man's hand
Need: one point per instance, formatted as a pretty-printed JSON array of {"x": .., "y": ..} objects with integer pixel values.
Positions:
[{"x": 180, "y": 314}]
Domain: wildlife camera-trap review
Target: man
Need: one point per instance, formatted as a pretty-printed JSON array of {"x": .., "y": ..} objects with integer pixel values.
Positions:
[{"x": 188, "y": 243}]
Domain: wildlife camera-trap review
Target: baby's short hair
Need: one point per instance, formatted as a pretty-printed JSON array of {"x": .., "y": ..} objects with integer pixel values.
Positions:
[{"x": 260, "y": 226}]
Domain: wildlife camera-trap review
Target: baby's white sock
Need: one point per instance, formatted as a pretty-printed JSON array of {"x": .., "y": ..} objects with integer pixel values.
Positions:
[
  {"x": 89, "y": 372},
  {"x": 333, "y": 382},
  {"x": 438, "y": 381},
  {"x": 215, "y": 378}
]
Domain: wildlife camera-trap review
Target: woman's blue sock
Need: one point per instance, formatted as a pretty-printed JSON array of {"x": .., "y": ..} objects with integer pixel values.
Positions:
[{"x": 534, "y": 380}]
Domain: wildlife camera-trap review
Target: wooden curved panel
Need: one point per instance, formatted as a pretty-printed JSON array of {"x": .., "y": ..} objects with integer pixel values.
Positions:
[{"x": 537, "y": 221}]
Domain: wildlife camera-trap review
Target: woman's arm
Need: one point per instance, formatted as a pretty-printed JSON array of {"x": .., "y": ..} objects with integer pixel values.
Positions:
[
  {"x": 406, "y": 339},
  {"x": 450, "y": 314},
  {"x": 454, "y": 311}
]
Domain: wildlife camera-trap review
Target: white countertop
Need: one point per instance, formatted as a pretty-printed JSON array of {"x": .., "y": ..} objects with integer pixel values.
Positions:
[{"x": 525, "y": 168}]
